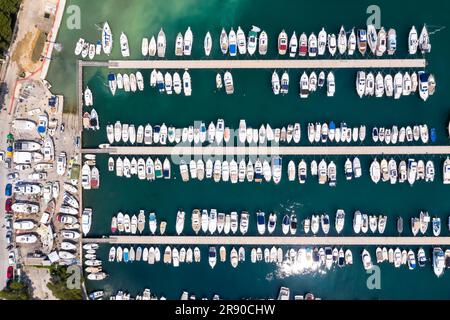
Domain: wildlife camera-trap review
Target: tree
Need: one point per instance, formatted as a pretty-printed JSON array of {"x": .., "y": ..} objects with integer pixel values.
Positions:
[{"x": 8, "y": 13}]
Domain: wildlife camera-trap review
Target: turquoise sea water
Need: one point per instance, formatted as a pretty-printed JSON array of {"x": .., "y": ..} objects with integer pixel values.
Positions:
[{"x": 253, "y": 100}]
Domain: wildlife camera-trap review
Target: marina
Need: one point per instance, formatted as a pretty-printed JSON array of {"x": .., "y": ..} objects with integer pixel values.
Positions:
[{"x": 246, "y": 62}]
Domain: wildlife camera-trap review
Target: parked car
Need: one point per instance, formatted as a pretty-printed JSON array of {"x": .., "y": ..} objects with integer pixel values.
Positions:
[
  {"x": 8, "y": 205},
  {"x": 9, "y": 238},
  {"x": 8, "y": 224},
  {"x": 10, "y": 272},
  {"x": 12, "y": 176},
  {"x": 8, "y": 190},
  {"x": 11, "y": 258},
  {"x": 62, "y": 127}
]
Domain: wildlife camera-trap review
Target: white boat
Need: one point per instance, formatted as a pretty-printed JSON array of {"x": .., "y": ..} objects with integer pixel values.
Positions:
[
  {"x": 187, "y": 42},
  {"x": 284, "y": 87},
  {"x": 312, "y": 45},
  {"x": 367, "y": 260},
  {"x": 207, "y": 44},
  {"x": 212, "y": 221},
  {"x": 212, "y": 257},
  {"x": 161, "y": 44},
  {"x": 224, "y": 41},
  {"x": 293, "y": 44},
  {"x": 86, "y": 220},
  {"x": 342, "y": 41},
  {"x": 351, "y": 45},
  {"x": 152, "y": 47},
  {"x": 262, "y": 43},
  {"x": 168, "y": 83},
  {"x": 423, "y": 85},
  {"x": 179, "y": 43},
  {"x": 398, "y": 85},
  {"x": 180, "y": 222},
  {"x": 332, "y": 45},
  {"x": 275, "y": 83},
  {"x": 228, "y": 79},
  {"x": 438, "y": 261},
  {"x": 234, "y": 258},
  {"x": 413, "y": 41},
  {"x": 372, "y": 38},
  {"x": 241, "y": 41},
  {"x": 282, "y": 43},
  {"x": 322, "y": 42},
  {"x": 340, "y": 220},
  {"x": 391, "y": 42},
  {"x": 144, "y": 47},
  {"x": 304, "y": 86},
  {"x": 252, "y": 40},
  {"x": 381, "y": 43},
  {"x": 232, "y": 43},
  {"x": 261, "y": 222},
  {"x": 107, "y": 39},
  {"x": 124, "y": 48},
  {"x": 187, "y": 84},
  {"x": 331, "y": 85},
  {"x": 424, "y": 40},
  {"x": 362, "y": 41},
  {"x": 361, "y": 83},
  {"x": 272, "y": 223}
]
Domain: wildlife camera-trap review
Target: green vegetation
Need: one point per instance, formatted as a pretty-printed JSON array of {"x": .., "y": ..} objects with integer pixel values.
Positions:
[
  {"x": 8, "y": 11},
  {"x": 15, "y": 291},
  {"x": 58, "y": 284}
]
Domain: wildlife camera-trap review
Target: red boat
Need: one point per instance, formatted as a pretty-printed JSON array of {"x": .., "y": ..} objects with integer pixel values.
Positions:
[
  {"x": 303, "y": 45},
  {"x": 282, "y": 43}
]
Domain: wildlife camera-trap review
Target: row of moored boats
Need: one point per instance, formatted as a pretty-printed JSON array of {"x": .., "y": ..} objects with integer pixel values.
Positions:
[{"x": 395, "y": 86}]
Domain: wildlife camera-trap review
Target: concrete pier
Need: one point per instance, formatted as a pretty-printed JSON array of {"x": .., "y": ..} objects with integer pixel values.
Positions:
[
  {"x": 271, "y": 241},
  {"x": 264, "y": 150},
  {"x": 269, "y": 64}
]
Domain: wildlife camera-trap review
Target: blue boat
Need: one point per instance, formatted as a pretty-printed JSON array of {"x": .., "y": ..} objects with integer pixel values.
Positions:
[
  {"x": 8, "y": 190},
  {"x": 261, "y": 222},
  {"x": 433, "y": 135},
  {"x": 332, "y": 125},
  {"x": 125, "y": 255}
]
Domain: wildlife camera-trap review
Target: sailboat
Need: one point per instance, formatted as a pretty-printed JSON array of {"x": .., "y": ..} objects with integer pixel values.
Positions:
[
  {"x": 107, "y": 39},
  {"x": 124, "y": 48},
  {"x": 424, "y": 40}
]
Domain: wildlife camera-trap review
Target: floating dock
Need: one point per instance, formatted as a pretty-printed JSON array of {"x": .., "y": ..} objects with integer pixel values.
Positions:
[
  {"x": 269, "y": 64},
  {"x": 265, "y": 150},
  {"x": 271, "y": 241}
]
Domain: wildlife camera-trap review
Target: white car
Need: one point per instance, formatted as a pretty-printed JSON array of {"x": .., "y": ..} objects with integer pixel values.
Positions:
[{"x": 11, "y": 258}]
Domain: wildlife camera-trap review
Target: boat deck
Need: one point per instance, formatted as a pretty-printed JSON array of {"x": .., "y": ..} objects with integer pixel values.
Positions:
[
  {"x": 264, "y": 150},
  {"x": 271, "y": 240},
  {"x": 269, "y": 64}
]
